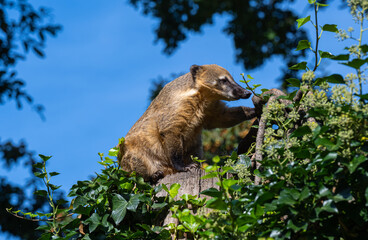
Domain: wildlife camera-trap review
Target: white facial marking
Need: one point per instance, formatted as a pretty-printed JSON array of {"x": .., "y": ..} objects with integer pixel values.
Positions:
[{"x": 189, "y": 93}]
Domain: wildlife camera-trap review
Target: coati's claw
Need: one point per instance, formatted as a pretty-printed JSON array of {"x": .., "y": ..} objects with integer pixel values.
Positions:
[
  {"x": 157, "y": 176},
  {"x": 191, "y": 167}
]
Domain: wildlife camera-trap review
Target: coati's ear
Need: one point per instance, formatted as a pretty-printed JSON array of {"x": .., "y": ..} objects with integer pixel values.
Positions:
[{"x": 194, "y": 70}]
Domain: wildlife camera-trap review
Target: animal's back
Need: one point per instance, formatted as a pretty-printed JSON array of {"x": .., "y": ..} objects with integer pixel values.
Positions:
[{"x": 165, "y": 115}]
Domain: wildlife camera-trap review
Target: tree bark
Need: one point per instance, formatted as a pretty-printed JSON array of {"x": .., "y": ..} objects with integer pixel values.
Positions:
[{"x": 190, "y": 183}]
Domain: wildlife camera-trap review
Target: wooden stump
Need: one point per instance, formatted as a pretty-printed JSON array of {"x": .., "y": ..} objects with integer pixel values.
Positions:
[{"x": 190, "y": 183}]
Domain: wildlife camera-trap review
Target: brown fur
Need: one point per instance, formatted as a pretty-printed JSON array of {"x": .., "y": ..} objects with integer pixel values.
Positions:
[{"x": 163, "y": 140}]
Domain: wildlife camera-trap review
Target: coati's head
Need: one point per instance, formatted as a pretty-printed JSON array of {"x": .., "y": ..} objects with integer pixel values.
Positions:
[{"x": 218, "y": 81}]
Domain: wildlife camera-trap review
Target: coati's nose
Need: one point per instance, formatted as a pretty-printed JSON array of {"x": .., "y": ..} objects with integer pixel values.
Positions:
[
  {"x": 240, "y": 92},
  {"x": 246, "y": 94}
]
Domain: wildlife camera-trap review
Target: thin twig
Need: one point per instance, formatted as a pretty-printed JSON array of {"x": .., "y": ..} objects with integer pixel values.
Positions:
[
  {"x": 40, "y": 220},
  {"x": 317, "y": 37}
]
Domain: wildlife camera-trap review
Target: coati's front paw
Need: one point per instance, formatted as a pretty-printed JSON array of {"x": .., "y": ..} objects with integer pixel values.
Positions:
[{"x": 157, "y": 176}]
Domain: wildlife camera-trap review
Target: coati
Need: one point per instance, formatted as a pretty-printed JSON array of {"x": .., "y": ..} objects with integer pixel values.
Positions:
[{"x": 163, "y": 140}]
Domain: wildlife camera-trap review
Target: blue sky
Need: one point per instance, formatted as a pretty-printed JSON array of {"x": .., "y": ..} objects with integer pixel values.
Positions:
[{"x": 95, "y": 79}]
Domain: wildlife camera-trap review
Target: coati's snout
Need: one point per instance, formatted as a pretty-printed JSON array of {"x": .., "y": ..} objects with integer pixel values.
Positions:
[
  {"x": 240, "y": 92},
  {"x": 230, "y": 90}
]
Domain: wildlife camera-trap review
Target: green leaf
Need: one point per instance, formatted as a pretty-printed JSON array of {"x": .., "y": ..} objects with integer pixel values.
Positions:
[
  {"x": 296, "y": 226},
  {"x": 299, "y": 66},
  {"x": 159, "y": 205},
  {"x": 329, "y": 206},
  {"x": 86, "y": 237},
  {"x": 216, "y": 203},
  {"x": 93, "y": 222},
  {"x": 286, "y": 198},
  {"x": 304, "y": 194},
  {"x": 330, "y": 156},
  {"x": 303, "y": 44},
  {"x": 228, "y": 183},
  {"x": 38, "y": 165},
  {"x": 210, "y": 175},
  {"x": 294, "y": 82},
  {"x": 119, "y": 207},
  {"x": 53, "y": 187},
  {"x": 113, "y": 152},
  {"x": 165, "y": 188},
  {"x": 174, "y": 188},
  {"x": 319, "y": 81},
  {"x": 61, "y": 202},
  {"x": 323, "y": 54},
  {"x": 85, "y": 210},
  {"x": 335, "y": 78},
  {"x": 321, "y": 4},
  {"x": 302, "y": 21},
  {"x": 45, "y": 236},
  {"x": 133, "y": 202},
  {"x": 80, "y": 201},
  {"x": 356, "y": 63},
  {"x": 258, "y": 210},
  {"x": 364, "y": 48},
  {"x": 327, "y": 143},
  {"x": 352, "y": 166},
  {"x": 363, "y": 96},
  {"x": 212, "y": 192},
  {"x": 40, "y": 174},
  {"x": 216, "y": 159},
  {"x": 301, "y": 131},
  {"x": 330, "y": 28},
  {"x": 42, "y": 193},
  {"x": 44, "y": 158},
  {"x": 324, "y": 191},
  {"x": 343, "y": 195},
  {"x": 249, "y": 77},
  {"x": 54, "y": 173},
  {"x": 341, "y": 57},
  {"x": 186, "y": 197}
]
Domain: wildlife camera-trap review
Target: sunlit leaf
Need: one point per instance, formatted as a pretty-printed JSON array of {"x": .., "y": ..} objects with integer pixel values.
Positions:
[
  {"x": 302, "y": 21},
  {"x": 119, "y": 207},
  {"x": 174, "y": 189}
]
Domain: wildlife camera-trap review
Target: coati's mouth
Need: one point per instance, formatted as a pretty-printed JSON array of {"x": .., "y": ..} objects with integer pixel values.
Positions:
[{"x": 240, "y": 93}]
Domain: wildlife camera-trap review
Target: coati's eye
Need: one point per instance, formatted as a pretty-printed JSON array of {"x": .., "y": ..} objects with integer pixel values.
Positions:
[{"x": 223, "y": 80}]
